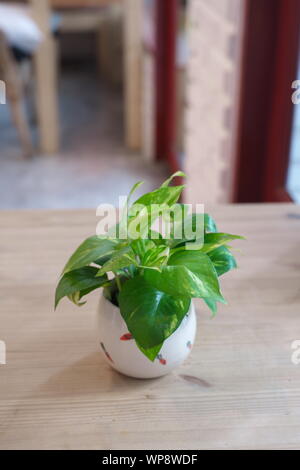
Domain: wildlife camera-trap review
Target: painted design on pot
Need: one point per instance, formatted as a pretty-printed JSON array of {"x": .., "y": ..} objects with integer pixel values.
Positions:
[
  {"x": 105, "y": 352},
  {"x": 189, "y": 344},
  {"x": 161, "y": 359},
  {"x": 126, "y": 337}
]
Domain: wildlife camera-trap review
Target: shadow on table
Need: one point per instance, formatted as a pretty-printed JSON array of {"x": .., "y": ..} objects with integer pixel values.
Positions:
[{"x": 89, "y": 375}]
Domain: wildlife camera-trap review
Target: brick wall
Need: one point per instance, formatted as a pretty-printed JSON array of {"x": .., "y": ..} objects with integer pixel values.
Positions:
[{"x": 214, "y": 32}]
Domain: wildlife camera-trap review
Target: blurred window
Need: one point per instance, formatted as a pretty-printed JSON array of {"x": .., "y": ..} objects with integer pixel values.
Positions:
[{"x": 293, "y": 179}]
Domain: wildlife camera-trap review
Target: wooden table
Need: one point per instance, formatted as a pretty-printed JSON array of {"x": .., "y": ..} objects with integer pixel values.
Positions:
[{"x": 238, "y": 389}]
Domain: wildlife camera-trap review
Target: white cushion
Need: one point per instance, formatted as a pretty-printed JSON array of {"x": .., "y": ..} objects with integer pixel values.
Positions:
[{"x": 19, "y": 28}]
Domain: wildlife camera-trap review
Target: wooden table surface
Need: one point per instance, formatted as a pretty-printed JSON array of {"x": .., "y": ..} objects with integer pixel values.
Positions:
[{"x": 238, "y": 389}]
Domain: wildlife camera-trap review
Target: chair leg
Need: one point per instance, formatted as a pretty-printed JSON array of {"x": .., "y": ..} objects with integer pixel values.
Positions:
[
  {"x": 45, "y": 62},
  {"x": 15, "y": 96},
  {"x": 19, "y": 118}
]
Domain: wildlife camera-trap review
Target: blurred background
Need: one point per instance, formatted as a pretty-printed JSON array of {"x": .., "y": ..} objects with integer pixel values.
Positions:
[{"x": 97, "y": 94}]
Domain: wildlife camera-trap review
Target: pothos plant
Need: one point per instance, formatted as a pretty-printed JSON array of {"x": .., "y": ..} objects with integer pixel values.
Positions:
[{"x": 151, "y": 276}]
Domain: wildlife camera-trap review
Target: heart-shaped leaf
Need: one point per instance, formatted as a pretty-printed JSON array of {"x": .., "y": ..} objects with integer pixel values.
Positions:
[
  {"x": 187, "y": 273},
  {"x": 151, "y": 316},
  {"x": 201, "y": 266}
]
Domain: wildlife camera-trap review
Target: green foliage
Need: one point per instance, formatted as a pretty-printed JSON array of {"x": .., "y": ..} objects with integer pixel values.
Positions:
[
  {"x": 152, "y": 277},
  {"x": 187, "y": 273},
  {"x": 150, "y": 314},
  {"x": 222, "y": 259},
  {"x": 215, "y": 240},
  {"x": 120, "y": 259},
  {"x": 77, "y": 283},
  {"x": 89, "y": 251}
]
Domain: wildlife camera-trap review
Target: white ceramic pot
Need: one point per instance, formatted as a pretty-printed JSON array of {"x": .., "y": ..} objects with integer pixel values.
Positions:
[{"x": 122, "y": 354}]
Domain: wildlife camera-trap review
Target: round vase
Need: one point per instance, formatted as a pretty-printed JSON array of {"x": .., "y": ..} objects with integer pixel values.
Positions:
[{"x": 122, "y": 353}]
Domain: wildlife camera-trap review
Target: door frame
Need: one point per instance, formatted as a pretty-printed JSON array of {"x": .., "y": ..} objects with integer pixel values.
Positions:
[
  {"x": 270, "y": 53},
  {"x": 165, "y": 81}
]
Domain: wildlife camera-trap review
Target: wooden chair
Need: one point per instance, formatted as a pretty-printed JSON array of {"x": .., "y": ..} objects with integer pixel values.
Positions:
[{"x": 45, "y": 78}]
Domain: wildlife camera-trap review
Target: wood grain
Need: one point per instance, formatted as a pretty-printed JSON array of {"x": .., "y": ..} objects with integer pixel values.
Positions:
[{"x": 238, "y": 390}]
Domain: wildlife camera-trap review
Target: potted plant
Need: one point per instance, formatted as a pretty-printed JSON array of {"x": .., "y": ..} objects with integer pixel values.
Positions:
[{"x": 149, "y": 277}]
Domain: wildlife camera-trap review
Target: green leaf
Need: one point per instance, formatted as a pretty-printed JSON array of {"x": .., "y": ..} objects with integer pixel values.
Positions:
[
  {"x": 156, "y": 237},
  {"x": 212, "y": 305},
  {"x": 151, "y": 353},
  {"x": 214, "y": 240},
  {"x": 176, "y": 280},
  {"x": 90, "y": 250},
  {"x": 199, "y": 223},
  {"x": 168, "y": 181},
  {"x": 75, "y": 298},
  {"x": 202, "y": 274},
  {"x": 140, "y": 223},
  {"x": 102, "y": 260},
  {"x": 82, "y": 280},
  {"x": 153, "y": 256},
  {"x": 149, "y": 207},
  {"x": 209, "y": 224},
  {"x": 150, "y": 315},
  {"x": 164, "y": 195},
  {"x": 190, "y": 227},
  {"x": 121, "y": 259},
  {"x": 195, "y": 281},
  {"x": 141, "y": 246},
  {"x": 222, "y": 259},
  {"x": 133, "y": 189},
  {"x": 124, "y": 214}
]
